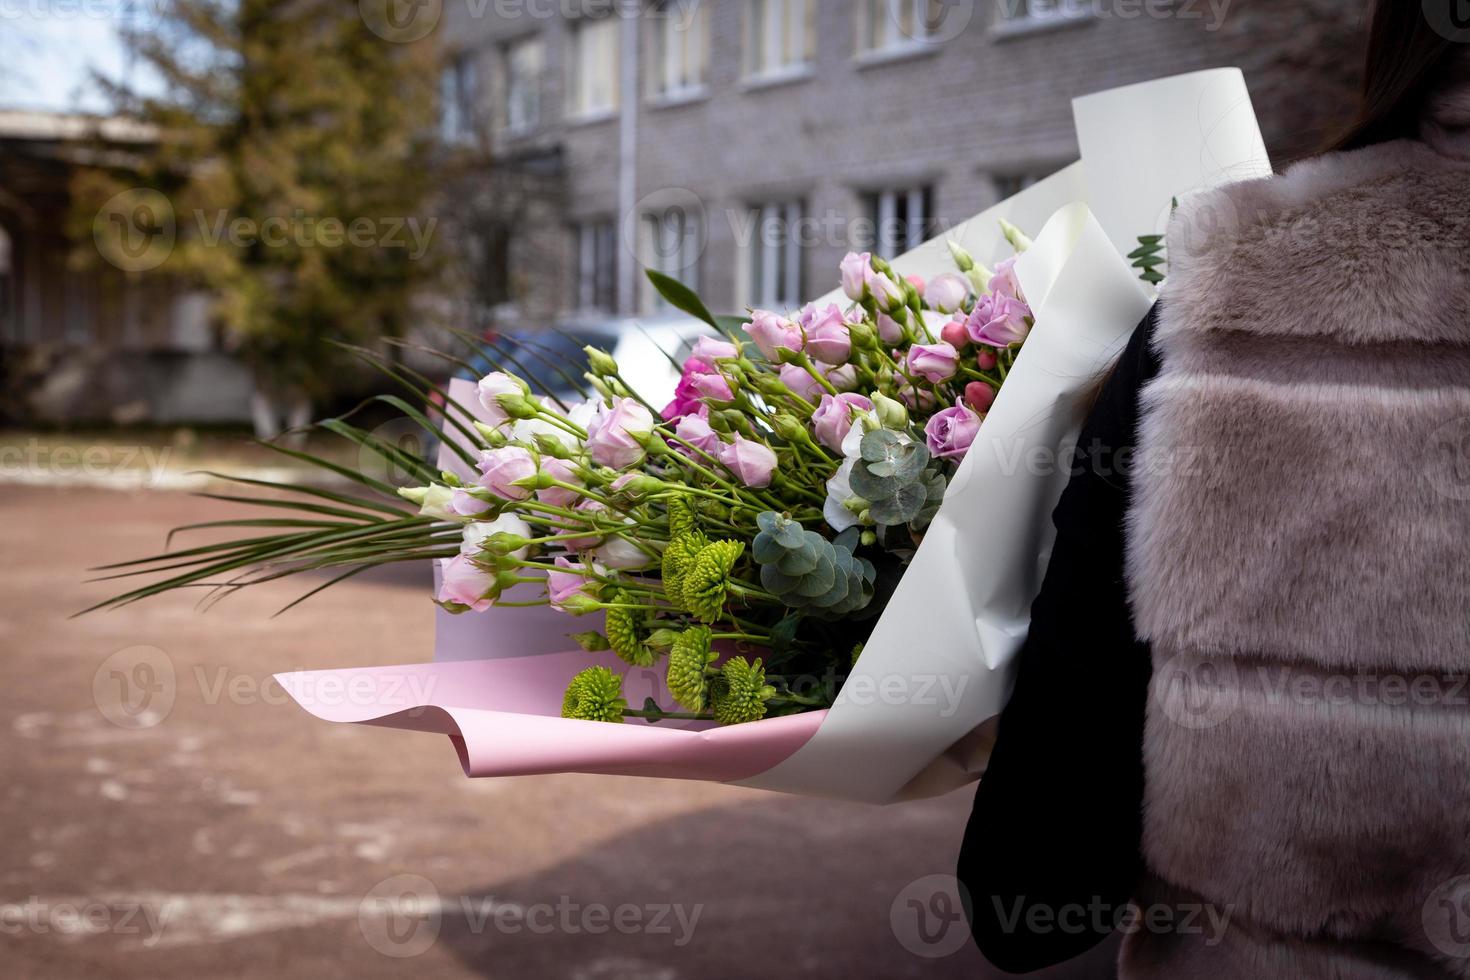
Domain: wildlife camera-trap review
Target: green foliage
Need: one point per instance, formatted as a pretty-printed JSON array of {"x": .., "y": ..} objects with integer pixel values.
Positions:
[
  {"x": 283, "y": 128},
  {"x": 681, "y": 297},
  {"x": 806, "y": 571},
  {"x": 891, "y": 476}
]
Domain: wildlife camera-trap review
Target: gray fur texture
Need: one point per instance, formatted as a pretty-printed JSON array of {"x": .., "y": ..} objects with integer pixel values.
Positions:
[{"x": 1299, "y": 558}]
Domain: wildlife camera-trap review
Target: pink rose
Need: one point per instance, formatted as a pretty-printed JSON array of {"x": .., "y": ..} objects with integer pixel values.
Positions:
[
  {"x": 986, "y": 360},
  {"x": 490, "y": 387},
  {"x": 591, "y": 509},
  {"x": 888, "y": 294},
  {"x": 827, "y": 336},
  {"x": 1004, "y": 282},
  {"x": 712, "y": 349},
  {"x": 714, "y": 386},
  {"x": 933, "y": 362},
  {"x": 686, "y": 397},
  {"x": 833, "y": 418},
  {"x": 559, "y": 469},
  {"x": 947, "y": 293},
  {"x": 563, "y": 585},
  {"x": 800, "y": 381},
  {"x": 615, "y": 437},
  {"x": 915, "y": 280},
  {"x": 998, "y": 320},
  {"x": 464, "y": 582},
  {"x": 953, "y": 334},
  {"x": 949, "y": 433},
  {"x": 843, "y": 378},
  {"x": 889, "y": 329},
  {"x": 772, "y": 333},
  {"x": 753, "y": 463},
  {"x": 979, "y": 396},
  {"x": 501, "y": 468},
  {"x": 466, "y": 504},
  {"x": 695, "y": 430},
  {"x": 855, "y": 267}
]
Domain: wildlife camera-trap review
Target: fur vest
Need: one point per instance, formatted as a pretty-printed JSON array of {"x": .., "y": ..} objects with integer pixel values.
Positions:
[{"x": 1299, "y": 560}]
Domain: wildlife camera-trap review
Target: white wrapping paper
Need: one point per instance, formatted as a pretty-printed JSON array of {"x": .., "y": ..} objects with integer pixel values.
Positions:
[{"x": 914, "y": 718}]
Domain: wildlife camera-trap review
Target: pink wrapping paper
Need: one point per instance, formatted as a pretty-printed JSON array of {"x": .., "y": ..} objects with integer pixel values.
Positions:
[{"x": 503, "y": 717}]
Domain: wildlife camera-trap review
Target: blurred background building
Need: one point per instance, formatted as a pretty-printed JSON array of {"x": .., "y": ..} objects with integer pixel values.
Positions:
[{"x": 742, "y": 146}]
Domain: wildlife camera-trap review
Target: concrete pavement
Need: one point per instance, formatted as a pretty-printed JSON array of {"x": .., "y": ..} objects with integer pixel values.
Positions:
[{"x": 166, "y": 813}]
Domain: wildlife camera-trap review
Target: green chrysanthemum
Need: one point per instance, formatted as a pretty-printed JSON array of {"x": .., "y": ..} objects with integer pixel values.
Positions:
[
  {"x": 739, "y": 694},
  {"x": 682, "y": 519},
  {"x": 677, "y": 558},
  {"x": 596, "y": 694},
  {"x": 624, "y": 634},
  {"x": 688, "y": 658},
  {"x": 707, "y": 578}
]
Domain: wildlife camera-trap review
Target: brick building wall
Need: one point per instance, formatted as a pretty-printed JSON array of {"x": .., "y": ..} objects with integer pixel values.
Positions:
[{"x": 966, "y": 116}]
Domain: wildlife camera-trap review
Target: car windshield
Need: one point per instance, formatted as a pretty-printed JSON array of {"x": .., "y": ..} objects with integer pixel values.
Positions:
[{"x": 552, "y": 362}]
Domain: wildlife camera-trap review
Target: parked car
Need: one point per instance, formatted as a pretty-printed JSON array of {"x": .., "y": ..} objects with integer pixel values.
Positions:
[{"x": 553, "y": 361}]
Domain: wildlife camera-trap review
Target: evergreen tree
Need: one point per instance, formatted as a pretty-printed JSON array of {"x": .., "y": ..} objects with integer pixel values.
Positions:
[{"x": 295, "y": 166}]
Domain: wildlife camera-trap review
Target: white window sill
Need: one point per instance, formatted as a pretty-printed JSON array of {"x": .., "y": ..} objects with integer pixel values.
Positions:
[
  {"x": 896, "y": 53},
  {"x": 591, "y": 118},
  {"x": 669, "y": 100},
  {"x": 779, "y": 77},
  {"x": 1005, "y": 30},
  {"x": 512, "y": 133}
]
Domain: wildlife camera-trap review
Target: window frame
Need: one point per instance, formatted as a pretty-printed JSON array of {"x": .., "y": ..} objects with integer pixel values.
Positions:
[
  {"x": 458, "y": 94},
  {"x": 663, "y": 22},
  {"x": 782, "y": 262},
  {"x": 596, "y": 270},
  {"x": 654, "y": 228},
  {"x": 881, "y": 207},
  {"x": 771, "y": 33},
  {"x": 534, "y": 85},
  {"x": 578, "y": 28},
  {"x": 929, "y": 14}
]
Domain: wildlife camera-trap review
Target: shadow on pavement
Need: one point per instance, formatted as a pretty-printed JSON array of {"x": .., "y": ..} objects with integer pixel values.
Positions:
[{"x": 758, "y": 891}]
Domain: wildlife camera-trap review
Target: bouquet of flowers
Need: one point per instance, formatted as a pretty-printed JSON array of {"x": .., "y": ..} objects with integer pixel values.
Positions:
[
  {"x": 841, "y": 513},
  {"x": 745, "y": 536}
]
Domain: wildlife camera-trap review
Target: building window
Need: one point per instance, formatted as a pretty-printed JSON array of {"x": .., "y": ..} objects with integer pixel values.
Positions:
[
  {"x": 678, "y": 48},
  {"x": 524, "y": 61},
  {"x": 773, "y": 259},
  {"x": 780, "y": 37},
  {"x": 672, "y": 241},
  {"x": 597, "y": 266},
  {"x": 896, "y": 220},
  {"x": 1039, "y": 11},
  {"x": 888, "y": 25},
  {"x": 457, "y": 90},
  {"x": 594, "y": 66},
  {"x": 1009, "y": 185}
]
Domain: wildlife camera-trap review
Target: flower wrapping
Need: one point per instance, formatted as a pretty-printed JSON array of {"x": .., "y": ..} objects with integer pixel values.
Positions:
[{"x": 913, "y": 718}]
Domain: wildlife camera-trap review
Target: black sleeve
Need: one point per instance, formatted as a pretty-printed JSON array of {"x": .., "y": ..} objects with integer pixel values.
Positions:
[{"x": 1055, "y": 832}]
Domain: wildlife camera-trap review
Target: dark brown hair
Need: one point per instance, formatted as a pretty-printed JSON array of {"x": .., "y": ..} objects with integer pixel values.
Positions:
[{"x": 1409, "y": 46}]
